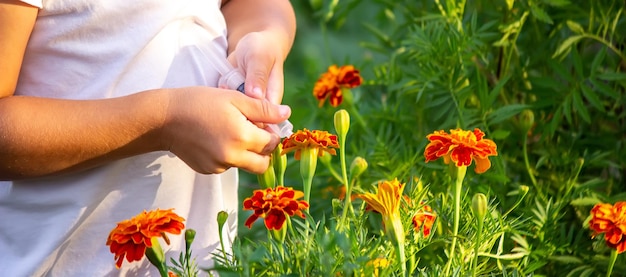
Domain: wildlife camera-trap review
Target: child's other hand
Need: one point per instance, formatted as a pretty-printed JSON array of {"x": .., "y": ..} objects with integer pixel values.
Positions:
[{"x": 258, "y": 55}]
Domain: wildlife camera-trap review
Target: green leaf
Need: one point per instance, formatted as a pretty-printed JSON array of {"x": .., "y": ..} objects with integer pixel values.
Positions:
[
  {"x": 557, "y": 3},
  {"x": 493, "y": 94},
  {"x": 540, "y": 14},
  {"x": 561, "y": 71},
  {"x": 597, "y": 61},
  {"x": 612, "y": 76},
  {"x": 500, "y": 134},
  {"x": 566, "y": 44},
  {"x": 604, "y": 89},
  {"x": 567, "y": 108},
  {"x": 578, "y": 64},
  {"x": 575, "y": 27},
  {"x": 585, "y": 201},
  {"x": 579, "y": 105},
  {"x": 509, "y": 4},
  {"x": 592, "y": 97},
  {"x": 566, "y": 259},
  {"x": 505, "y": 113}
]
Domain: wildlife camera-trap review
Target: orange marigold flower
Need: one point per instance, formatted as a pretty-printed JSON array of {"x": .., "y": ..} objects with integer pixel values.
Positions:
[
  {"x": 610, "y": 220},
  {"x": 332, "y": 82},
  {"x": 461, "y": 147},
  {"x": 301, "y": 139},
  {"x": 274, "y": 205},
  {"x": 425, "y": 218},
  {"x": 130, "y": 238}
]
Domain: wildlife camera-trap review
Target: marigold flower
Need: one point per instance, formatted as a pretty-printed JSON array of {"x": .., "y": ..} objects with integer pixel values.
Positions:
[
  {"x": 461, "y": 147},
  {"x": 424, "y": 220},
  {"x": 302, "y": 139},
  {"x": 610, "y": 220},
  {"x": 377, "y": 264},
  {"x": 274, "y": 205},
  {"x": 130, "y": 238},
  {"x": 387, "y": 199},
  {"x": 331, "y": 84},
  {"x": 387, "y": 202}
]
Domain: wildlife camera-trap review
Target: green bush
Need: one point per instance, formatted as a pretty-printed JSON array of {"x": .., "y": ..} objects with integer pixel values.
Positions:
[{"x": 544, "y": 79}]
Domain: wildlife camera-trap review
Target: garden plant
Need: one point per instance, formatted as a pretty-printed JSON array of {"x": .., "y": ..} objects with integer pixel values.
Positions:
[{"x": 434, "y": 138}]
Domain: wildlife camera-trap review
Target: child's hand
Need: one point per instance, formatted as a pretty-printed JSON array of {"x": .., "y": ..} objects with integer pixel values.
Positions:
[
  {"x": 261, "y": 60},
  {"x": 212, "y": 130}
]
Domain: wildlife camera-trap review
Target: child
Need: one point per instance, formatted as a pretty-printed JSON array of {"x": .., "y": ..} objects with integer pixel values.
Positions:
[{"x": 107, "y": 109}]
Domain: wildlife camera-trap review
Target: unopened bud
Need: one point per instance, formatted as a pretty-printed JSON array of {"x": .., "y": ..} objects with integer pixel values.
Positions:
[
  {"x": 526, "y": 119},
  {"x": 358, "y": 166},
  {"x": 190, "y": 235},
  {"x": 342, "y": 122},
  {"x": 222, "y": 216},
  {"x": 268, "y": 178},
  {"x": 479, "y": 206}
]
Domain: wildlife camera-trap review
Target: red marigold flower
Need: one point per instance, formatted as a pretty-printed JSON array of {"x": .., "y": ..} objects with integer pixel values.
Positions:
[
  {"x": 301, "y": 139},
  {"x": 332, "y": 82},
  {"x": 274, "y": 205},
  {"x": 130, "y": 238},
  {"x": 610, "y": 220},
  {"x": 424, "y": 218},
  {"x": 461, "y": 147}
]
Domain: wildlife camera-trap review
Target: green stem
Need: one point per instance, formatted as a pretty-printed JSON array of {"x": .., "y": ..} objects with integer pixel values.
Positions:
[
  {"x": 344, "y": 173},
  {"x": 478, "y": 237},
  {"x": 525, "y": 192},
  {"x": 222, "y": 245},
  {"x": 461, "y": 170},
  {"x": 398, "y": 237},
  {"x": 527, "y": 164},
  {"x": 609, "y": 271}
]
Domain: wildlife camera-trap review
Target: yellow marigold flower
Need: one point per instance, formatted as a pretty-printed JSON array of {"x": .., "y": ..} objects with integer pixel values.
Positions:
[
  {"x": 377, "y": 264},
  {"x": 610, "y": 220},
  {"x": 332, "y": 82},
  {"x": 302, "y": 139},
  {"x": 461, "y": 147},
  {"x": 130, "y": 238},
  {"x": 274, "y": 205},
  {"x": 387, "y": 199}
]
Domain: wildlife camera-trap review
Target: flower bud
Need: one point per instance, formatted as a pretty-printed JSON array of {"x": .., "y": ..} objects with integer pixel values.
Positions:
[
  {"x": 358, "y": 166},
  {"x": 190, "y": 235},
  {"x": 342, "y": 123},
  {"x": 479, "y": 206},
  {"x": 222, "y": 216},
  {"x": 524, "y": 189},
  {"x": 279, "y": 164},
  {"x": 526, "y": 119},
  {"x": 268, "y": 178},
  {"x": 325, "y": 159}
]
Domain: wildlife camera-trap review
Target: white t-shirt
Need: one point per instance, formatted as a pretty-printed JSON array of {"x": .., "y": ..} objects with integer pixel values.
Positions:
[{"x": 90, "y": 49}]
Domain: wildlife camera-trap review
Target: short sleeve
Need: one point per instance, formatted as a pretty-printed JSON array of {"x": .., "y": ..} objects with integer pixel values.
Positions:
[{"x": 36, "y": 3}]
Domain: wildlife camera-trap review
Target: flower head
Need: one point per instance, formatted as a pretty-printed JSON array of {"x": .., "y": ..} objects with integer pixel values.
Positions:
[
  {"x": 387, "y": 199},
  {"x": 461, "y": 147},
  {"x": 302, "y": 139},
  {"x": 274, "y": 205},
  {"x": 424, "y": 220},
  {"x": 387, "y": 202},
  {"x": 331, "y": 84},
  {"x": 130, "y": 238},
  {"x": 610, "y": 220},
  {"x": 377, "y": 264}
]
